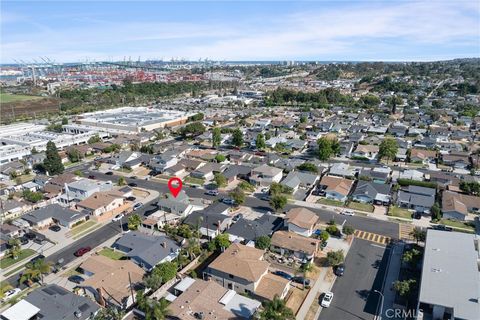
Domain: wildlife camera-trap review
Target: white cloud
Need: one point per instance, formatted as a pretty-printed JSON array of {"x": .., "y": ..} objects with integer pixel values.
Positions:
[{"x": 350, "y": 29}]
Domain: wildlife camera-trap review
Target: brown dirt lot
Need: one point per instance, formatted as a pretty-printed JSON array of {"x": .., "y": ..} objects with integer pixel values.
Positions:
[{"x": 29, "y": 108}]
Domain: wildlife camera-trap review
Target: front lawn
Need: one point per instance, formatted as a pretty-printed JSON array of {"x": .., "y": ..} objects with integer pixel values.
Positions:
[
  {"x": 82, "y": 227},
  {"x": 399, "y": 212},
  {"x": 330, "y": 202},
  {"x": 8, "y": 261},
  {"x": 361, "y": 206},
  {"x": 457, "y": 224},
  {"x": 110, "y": 253},
  {"x": 193, "y": 180}
]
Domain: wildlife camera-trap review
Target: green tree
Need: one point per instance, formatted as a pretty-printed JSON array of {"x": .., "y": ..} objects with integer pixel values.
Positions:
[
  {"x": 246, "y": 186},
  {"x": 276, "y": 309},
  {"x": 193, "y": 129},
  {"x": 260, "y": 142},
  {"x": 64, "y": 120},
  {"x": 334, "y": 258},
  {"x": 94, "y": 139},
  {"x": 237, "y": 137},
  {"x": 15, "y": 248},
  {"x": 53, "y": 162},
  {"x": 278, "y": 202},
  {"x": 348, "y": 230},
  {"x": 419, "y": 235},
  {"x": 197, "y": 117},
  {"x": 166, "y": 271},
  {"x": 388, "y": 149},
  {"x": 471, "y": 188},
  {"x": 436, "y": 212},
  {"x": 327, "y": 148},
  {"x": 154, "y": 310},
  {"x": 220, "y": 241},
  {"x": 220, "y": 180},
  {"x": 34, "y": 271},
  {"x": 220, "y": 158},
  {"x": 238, "y": 196},
  {"x": 110, "y": 313},
  {"x": 262, "y": 242},
  {"x": 33, "y": 197},
  {"x": 308, "y": 166},
  {"x": 74, "y": 155},
  {"x": 121, "y": 181},
  {"x": 333, "y": 230},
  {"x": 403, "y": 288},
  {"x": 303, "y": 119},
  {"x": 153, "y": 281},
  {"x": 134, "y": 222},
  {"x": 216, "y": 137}
]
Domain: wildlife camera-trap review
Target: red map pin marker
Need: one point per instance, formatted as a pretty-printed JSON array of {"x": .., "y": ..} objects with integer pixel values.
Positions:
[{"x": 175, "y": 186}]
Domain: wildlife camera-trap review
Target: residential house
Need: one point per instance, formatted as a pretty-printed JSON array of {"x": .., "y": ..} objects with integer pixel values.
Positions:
[
  {"x": 8, "y": 231},
  {"x": 457, "y": 206},
  {"x": 249, "y": 230},
  {"x": 14, "y": 168},
  {"x": 163, "y": 161},
  {"x": 366, "y": 151},
  {"x": 54, "y": 213},
  {"x": 342, "y": 170},
  {"x": 207, "y": 171},
  {"x": 11, "y": 209},
  {"x": 420, "y": 199},
  {"x": 265, "y": 175},
  {"x": 412, "y": 174},
  {"x": 300, "y": 179},
  {"x": 377, "y": 175},
  {"x": 449, "y": 283},
  {"x": 199, "y": 299},
  {"x": 210, "y": 221},
  {"x": 52, "y": 302},
  {"x": 146, "y": 250},
  {"x": 237, "y": 172},
  {"x": 301, "y": 221},
  {"x": 335, "y": 188},
  {"x": 457, "y": 160},
  {"x": 243, "y": 269},
  {"x": 422, "y": 156},
  {"x": 106, "y": 204},
  {"x": 294, "y": 245},
  {"x": 82, "y": 189},
  {"x": 371, "y": 192},
  {"x": 111, "y": 282}
]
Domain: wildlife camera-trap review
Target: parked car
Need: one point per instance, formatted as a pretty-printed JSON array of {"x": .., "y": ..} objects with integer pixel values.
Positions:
[
  {"x": 417, "y": 215},
  {"x": 30, "y": 235},
  {"x": 442, "y": 227},
  {"x": 55, "y": 228},
  {"x": 265, "y": 190},
  {"x": 10, "y": 294},
  {"x": 91, "y": 176},
  {"x": 137, "y": 206},
  {"x": 237, "y": 217},
  {"x": 80, "y": 252},
  {"x": 118, "y": 217},
  {"x": 131, "y": 198},
  {"x": 301, "y": 280},
  {"x": 134, "y": 177},
  {"x": 228, "y": 201},
  {"x": 339, "y": 270},
  {"x": 132, "y": 184},
  {"x": 347, "y": 212},
  {"x": 109, "y": 173},
  {"x": 212, "y": 192},
  {"x": 283, "y": 274},
  {"x": 327, "y": 299},
  {"x": 76, "y": 279},
  {"x": 23, "y": 240}
]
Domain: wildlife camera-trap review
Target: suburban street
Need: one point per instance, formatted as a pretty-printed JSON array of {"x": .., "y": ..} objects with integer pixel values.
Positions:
[{"x": 354, "y": 298}]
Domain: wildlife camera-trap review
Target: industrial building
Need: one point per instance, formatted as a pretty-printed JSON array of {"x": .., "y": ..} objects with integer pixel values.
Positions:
[{"x": 133, "y": 119}]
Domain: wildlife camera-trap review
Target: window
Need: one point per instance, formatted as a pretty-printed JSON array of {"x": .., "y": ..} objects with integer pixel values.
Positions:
[
  {"x": 230, "y": 286},
  {"x": 231, "y": 276}
]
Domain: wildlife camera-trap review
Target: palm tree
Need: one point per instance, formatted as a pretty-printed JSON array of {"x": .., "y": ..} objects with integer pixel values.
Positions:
[
  {"x": 276, "y": 310},
  {"x": 110, "y": 313},
  {"x": 35, "y": 271},
  {"x": 154, "y": 310},
  {"x": 15, "y": 248}
]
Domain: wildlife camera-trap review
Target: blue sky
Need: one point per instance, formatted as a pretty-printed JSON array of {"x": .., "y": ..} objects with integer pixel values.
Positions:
[{"x": 68, "y": 31}]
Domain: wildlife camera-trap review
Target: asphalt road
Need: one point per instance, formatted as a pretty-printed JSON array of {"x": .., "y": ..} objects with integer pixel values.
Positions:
[{"x": 354, "y": 298}]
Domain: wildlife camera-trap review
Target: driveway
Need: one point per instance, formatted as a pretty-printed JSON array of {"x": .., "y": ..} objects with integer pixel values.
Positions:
[{"x": 353, "y": 297}]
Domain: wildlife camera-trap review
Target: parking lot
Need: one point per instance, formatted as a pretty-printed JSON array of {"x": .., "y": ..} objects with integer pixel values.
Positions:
[{"x": 353, "y": 292}]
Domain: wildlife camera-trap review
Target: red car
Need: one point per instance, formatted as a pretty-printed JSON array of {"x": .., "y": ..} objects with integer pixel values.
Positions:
[{"x": 80, "y": 252}]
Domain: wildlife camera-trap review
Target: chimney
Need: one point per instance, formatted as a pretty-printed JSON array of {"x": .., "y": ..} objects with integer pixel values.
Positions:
[{"x": 101, "y": 300}]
